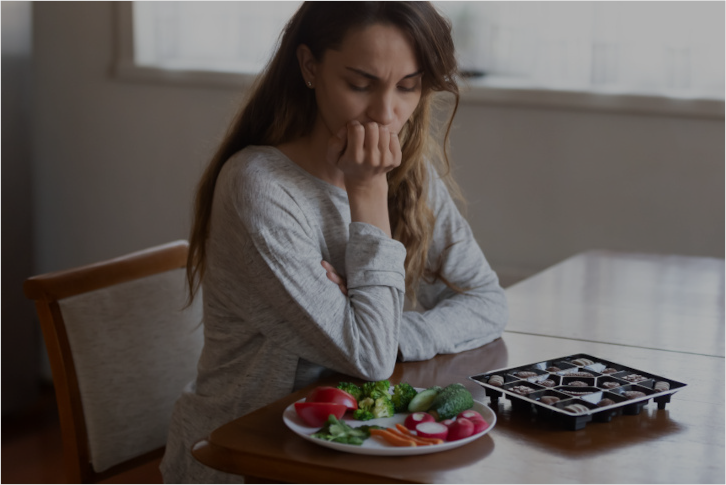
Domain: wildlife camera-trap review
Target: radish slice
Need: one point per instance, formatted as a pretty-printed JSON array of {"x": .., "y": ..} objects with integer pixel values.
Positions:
[
  {"x": 414, "y": 419},
  {"x": 432, "y": 429},
  {"x": 460, "y": 429},
  {"x": 471, "y": 415},
  {"x": 479, "y": 425},
  {"x": 447, "y": 422},
  {"x": 477, "y": 419}
]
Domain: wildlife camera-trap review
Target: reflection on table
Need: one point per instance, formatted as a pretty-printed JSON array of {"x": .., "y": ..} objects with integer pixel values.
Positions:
[{"x": 653, "y": 301}]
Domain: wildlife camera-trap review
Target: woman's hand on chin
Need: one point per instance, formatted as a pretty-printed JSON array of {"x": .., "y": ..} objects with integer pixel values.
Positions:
[{"x": 365, "y": 153}]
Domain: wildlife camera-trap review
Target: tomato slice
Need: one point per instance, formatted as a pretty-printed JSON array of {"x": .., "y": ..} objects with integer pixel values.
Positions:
[
  {"x": 334, "y": 395},
  {"x": 316, "y": 413}
]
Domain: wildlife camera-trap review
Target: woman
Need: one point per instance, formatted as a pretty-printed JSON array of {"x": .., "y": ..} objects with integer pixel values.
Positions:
[{"x": 321, "y": 212}]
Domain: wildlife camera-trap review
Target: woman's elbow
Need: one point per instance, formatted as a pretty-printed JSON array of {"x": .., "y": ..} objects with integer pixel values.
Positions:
[{"x": 379, "y": 368}]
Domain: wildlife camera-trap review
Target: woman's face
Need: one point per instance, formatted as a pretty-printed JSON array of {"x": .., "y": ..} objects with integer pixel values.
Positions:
[{"x": 373, "y": 76}]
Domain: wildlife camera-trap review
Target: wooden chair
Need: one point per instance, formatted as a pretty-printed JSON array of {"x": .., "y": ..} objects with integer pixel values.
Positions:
[{"x": 122, "y": 346}]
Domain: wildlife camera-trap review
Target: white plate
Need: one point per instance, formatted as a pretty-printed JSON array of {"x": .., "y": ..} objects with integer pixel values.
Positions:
[{"x": 373, "y": 446}]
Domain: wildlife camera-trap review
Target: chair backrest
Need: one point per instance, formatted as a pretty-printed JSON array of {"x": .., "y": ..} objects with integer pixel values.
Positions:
[{"x": 122, "y": 346}]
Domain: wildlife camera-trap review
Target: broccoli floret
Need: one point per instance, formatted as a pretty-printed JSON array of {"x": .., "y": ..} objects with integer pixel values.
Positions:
[
  {"x": 366, "y": 404},
  {"x": 375, "y": 394},
  {"x": 351, "y": 389},
  {"x": 402, "y": 395},
  {"x": 383, "y": 408},
  {"x": 362, "y": 415},
  {"x": 377, "y": 389}
]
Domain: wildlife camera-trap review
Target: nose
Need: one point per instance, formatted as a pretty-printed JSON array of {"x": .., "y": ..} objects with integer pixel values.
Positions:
[{"x": 382, "y": 109}]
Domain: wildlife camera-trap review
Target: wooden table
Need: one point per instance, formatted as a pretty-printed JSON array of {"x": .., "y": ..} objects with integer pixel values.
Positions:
[
  {"x": 683, "y": 443},
  {"x": 641, "y": 300}
]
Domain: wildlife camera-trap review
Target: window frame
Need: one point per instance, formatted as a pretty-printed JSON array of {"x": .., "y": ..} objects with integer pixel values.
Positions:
[{"x": 492, "y": 90}]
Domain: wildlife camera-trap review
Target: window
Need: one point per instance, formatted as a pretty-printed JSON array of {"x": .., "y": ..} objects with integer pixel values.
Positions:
[
  {"x": 214, "y": 36},
  {"x": 669, "y": 50}
]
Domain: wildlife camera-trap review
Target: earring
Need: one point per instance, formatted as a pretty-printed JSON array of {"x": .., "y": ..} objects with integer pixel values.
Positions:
[{"x": 310, "y": 85}]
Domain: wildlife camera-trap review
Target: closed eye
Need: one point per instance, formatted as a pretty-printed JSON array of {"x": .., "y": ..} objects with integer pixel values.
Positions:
[{"x": 360, "y": 89}]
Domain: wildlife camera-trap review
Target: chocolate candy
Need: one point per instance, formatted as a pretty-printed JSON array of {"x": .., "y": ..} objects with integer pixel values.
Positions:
[
  {"x": 496, "y": 380},
  {"x": 577, "y": 408},
  {"x": 609, "y": 370},
  {"x": 634, "y": 378},
  {"x": 633, "y": 394},
  {"x": 661, "y": 386},
  {"x": 577, "y": 384},
  {"x": 525, "y": 373},
  {"x": 523, "y": 390},
  {"x": 579, "y": 374},
  {"x": 605, "y": 402},
  {"x": 582, "y": 362},
  {"x": 553, "y": 369},
  {"x": 549, "y": 399},
  {"x": 610, "y": 384},
  {"x": 576, "y": 393}
]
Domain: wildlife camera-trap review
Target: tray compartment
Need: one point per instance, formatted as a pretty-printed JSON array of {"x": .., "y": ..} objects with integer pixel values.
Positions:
[
  {"x": 560, "y": 365},
  {"x": 573, "y": 381},
  {"x": 577, "y": 391},
  {"x": 574, "y": 420},
  {"x": 606, "y": 412},
  {"x": 608, "y": 382},
  {"x": 544, "y": 408},
  {"x": 526, "y": 373}
]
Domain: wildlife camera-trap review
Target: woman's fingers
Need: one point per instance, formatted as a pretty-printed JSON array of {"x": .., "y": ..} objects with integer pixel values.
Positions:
[
  {"x": 395, "y": 147},
  {"x": 370, "y": 144},
  {"x": 337, "y": 145},
  {"x": 370, "y": 150},
  {"x": 356, "y": 141},
  {"x": 335, "y": 277},
  {"x": 384, "y": 141}
]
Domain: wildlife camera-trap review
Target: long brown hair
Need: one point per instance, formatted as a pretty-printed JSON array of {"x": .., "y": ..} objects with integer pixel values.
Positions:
[{"x": 281, "y": 108}]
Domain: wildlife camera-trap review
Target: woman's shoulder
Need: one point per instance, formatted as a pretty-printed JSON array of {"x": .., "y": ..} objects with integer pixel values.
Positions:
[
  {"x": 258, "y": 170},
  {"x": 258, "y": 183},
  {"x": 258, "y": 162}
]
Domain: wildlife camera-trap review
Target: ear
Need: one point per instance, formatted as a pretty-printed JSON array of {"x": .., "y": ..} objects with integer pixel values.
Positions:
[{"x": 308, "y": 64}]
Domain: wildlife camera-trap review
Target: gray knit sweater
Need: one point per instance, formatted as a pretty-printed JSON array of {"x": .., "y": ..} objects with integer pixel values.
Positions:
[{"x": 273, "y": 322}]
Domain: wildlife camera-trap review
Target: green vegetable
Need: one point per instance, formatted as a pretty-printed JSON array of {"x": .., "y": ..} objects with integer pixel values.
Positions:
[
  {"x": 340, "y": 432},
  {"x": 366, "y": 404},
  {"x": 362, "y": 415},
  {"x": 454, "y": 399},
  {"x": 422, "y": 401},
  {"x": 351, "y": 389},
  {"x": 403, "y": 393},
  {"x": 377, "y": 389},
  {"x": 383, "y": 408}
]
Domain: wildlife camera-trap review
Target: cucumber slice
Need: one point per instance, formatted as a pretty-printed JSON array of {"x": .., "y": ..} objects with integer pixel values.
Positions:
[{"x": 422, "y": 401}]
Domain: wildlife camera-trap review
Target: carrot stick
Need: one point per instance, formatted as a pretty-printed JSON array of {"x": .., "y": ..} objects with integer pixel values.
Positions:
[
  {"x": 393, "y": 438},
  {"x": 419, "y": 439}
]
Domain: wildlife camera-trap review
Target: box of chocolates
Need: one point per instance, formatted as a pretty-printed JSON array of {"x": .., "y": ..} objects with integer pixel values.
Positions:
[{"x": 577, "y": 389}]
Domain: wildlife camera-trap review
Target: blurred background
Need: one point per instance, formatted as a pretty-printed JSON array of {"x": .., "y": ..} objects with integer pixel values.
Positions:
[{"x": 584, "y": 125}]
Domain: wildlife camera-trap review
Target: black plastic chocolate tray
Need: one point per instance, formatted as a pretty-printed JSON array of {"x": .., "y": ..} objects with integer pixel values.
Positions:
[{"x": 582, "y": 380}]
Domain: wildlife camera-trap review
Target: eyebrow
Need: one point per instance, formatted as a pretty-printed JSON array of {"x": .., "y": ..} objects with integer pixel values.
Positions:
[{"x": 376, "y": 78}]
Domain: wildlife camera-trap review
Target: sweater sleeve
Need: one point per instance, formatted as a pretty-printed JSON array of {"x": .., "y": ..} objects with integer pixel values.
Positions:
[
  {"x": 454, "y": 322},
  {"x": 357, "y": 334}
]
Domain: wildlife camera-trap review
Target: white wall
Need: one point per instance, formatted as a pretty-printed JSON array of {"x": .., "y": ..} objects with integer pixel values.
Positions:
[
  {"x": 545, "y": 184},
  {"x": 115, "y": 163}
]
